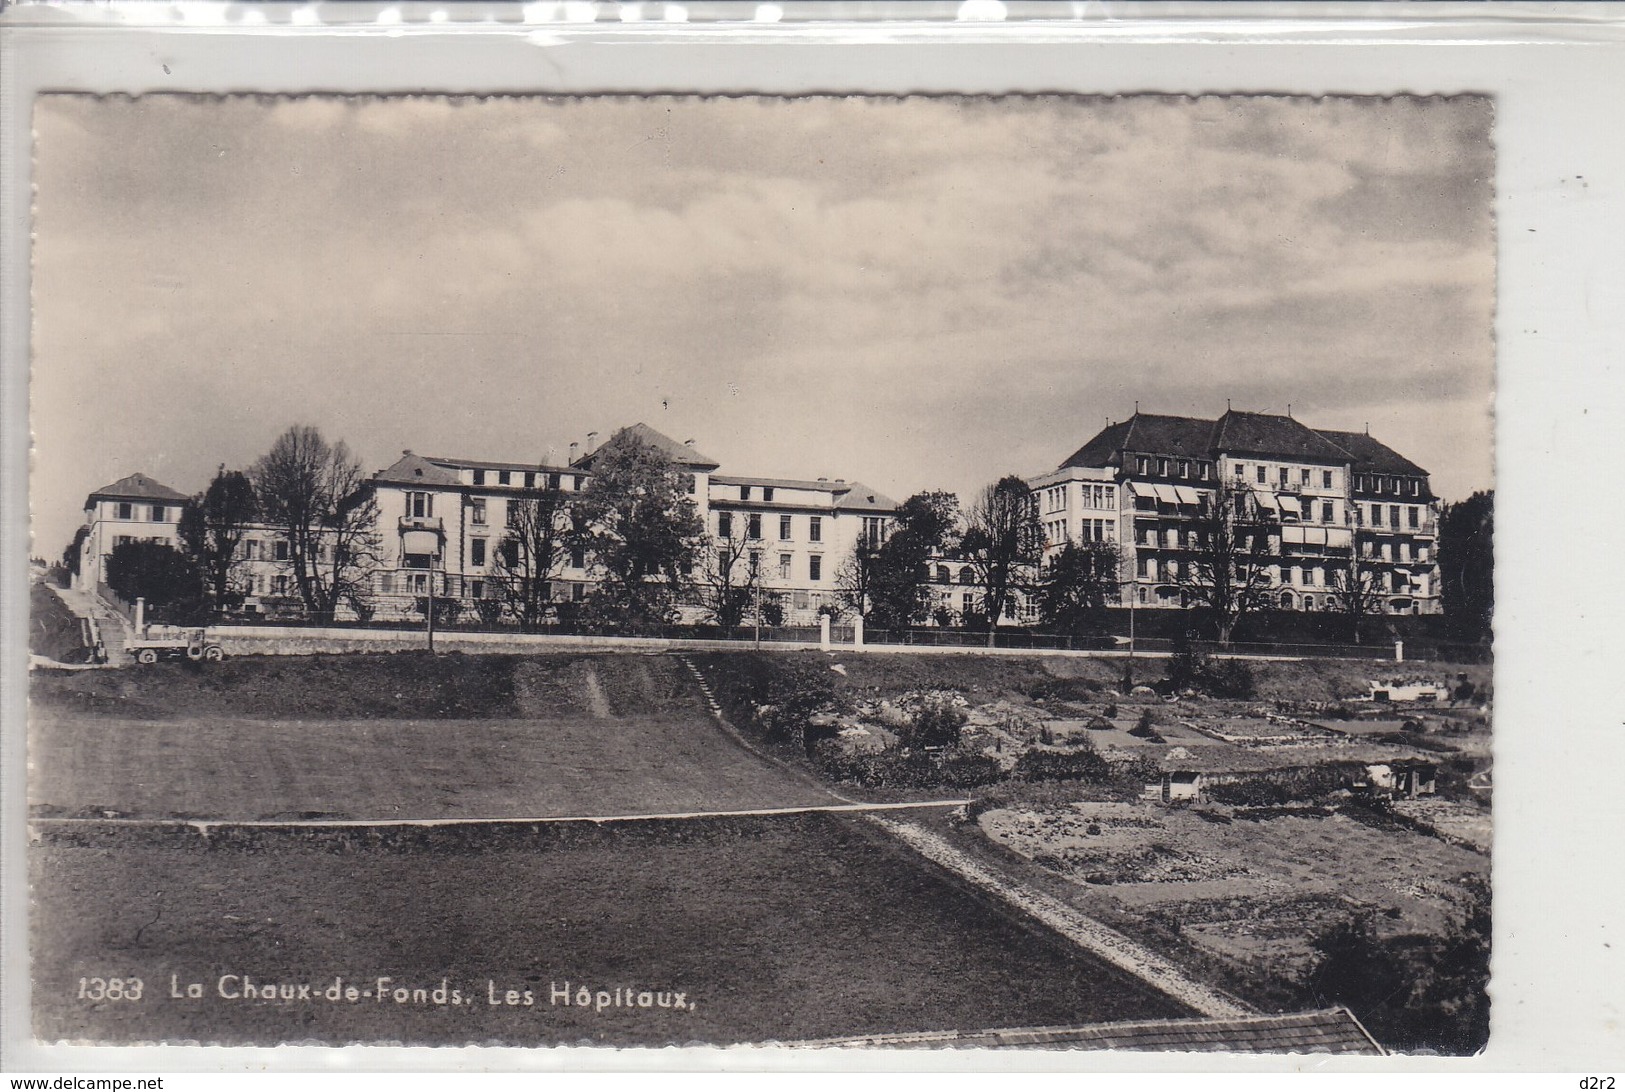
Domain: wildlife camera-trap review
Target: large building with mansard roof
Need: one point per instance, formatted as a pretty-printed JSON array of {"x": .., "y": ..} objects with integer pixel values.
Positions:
[{"x": 1329, "y": 499}]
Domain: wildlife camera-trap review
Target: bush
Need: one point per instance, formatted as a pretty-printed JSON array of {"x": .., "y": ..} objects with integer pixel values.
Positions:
[
  {"x": 937, "y": 722},
  {"x": 446, "y": 609},
  {"x": 1082, "y": 764},
  {"x": 1191, "y": 669}
]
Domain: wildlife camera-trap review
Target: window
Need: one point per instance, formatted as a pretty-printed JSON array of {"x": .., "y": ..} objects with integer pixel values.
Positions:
[
  {"x": 1394, "y": 482},
  {"x": 1144, "y": 567},
  {"x": 942, "y": 575},
  {"x": 1162, "y": 468},
  {"x": 1241, "y": 470},
  {"x": 753, "y": 525},
  {"x": 1184, "y": 469},
  {"x": 578, "y": 557},
  {"x": 386, "y": 583},
  {"x": 693, "y": 483},
  {"x": 126, "y": 510},
  {"x": 744, "y": 492},
  {"x": 1111, "y": 496},
  {"x": 815, "y": 529},
  {"x": 1142, "y": 595},
  {"x": 815, "y": 567},
  {"x": 279, "y": 585},
  {"x": 1145, "y": 465},
  {"x": 530, "y": 479},
  {"x": 1263, "y": 473},
  {"x": 725, "y": 525},
  {"x": 724, "y": 565},
  {"x": 767, "y": 492},
  {"x": 1416, "y": 488},
  {"x": 476, "y": 551},
  {"x": 503, "y": 477},
  {"x": 784, "y": 566},
  {"x": 420, "y": 505},
  {"x": 784, "y": 528},
  {"x": 1404, "y": 551},
  {"x": 251, "y": 549},
  {"x": 1285, "y": 475},
  {"x": 476, "y": 512},
  {"x": 575, "y": 482},
  {"x": 479, "y": 477},
  {"x": 1376, "y": 484},
  {"x": 1325, "y": 479},
  {"x": 157, "y": 513},
  {"x": 1415, "y": 516},
  {"x": 1205, "y": 469},
  {"x": 281, "y": 549},
  {"x": 578, "y": 592},
  {"x": 1393, "y": 515},
  {"x": 1328, "y": 512},
  {"x": 874, "y": 529},
  {"x": 476, "y": 589}
]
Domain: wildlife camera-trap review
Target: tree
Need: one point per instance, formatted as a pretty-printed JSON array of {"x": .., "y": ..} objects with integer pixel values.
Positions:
[
  {"x": 530, "y": 552},
  {"x": 1228, "y": 573},
  {"x": 317, "y": 496},
  {"x": 729, "y": 575},
  {"x": 154, "y": 571},
  {"x": 1077, "y": 585},
  {"x": 636, "y": 520},
  {"x": 70, "y": 553},
  {"x": 212, "y": 526},
  {"x": 1467, "y": 565},
  {"x": 925, "y": 526},
  {"x": 854, "y": 580},
  {"x": 1003, "y": 543},
  {"x": 1354, "y": 592}
]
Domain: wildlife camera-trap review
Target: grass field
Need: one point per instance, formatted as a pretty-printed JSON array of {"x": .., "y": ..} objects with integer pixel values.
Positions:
[
  {"x": 53, "y": 631},
  {"x": 609, "y": 736},
  {"x": 783, "y": 928}
]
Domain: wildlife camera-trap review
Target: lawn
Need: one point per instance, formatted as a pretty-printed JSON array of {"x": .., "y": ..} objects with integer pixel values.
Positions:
[
  {"x": 53, "y": 631},
  {"x": 782, "y": 928}
]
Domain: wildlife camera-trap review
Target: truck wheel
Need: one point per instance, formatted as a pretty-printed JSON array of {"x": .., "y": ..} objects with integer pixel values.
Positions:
[
  {"x": 147, "y": 656},
  {"x": 214, "y": 654},
  {"x": 194, "y": 653}
]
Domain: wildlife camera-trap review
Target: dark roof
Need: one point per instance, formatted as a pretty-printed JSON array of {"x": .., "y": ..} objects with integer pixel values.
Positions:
[
  {"x": 681, "y": 454},
  {"x": 1325, "y": 1031},
  {"x": 412, "y": 469},
  {"x": 1238, "y": 433},
  {"x": 1271, "y": 434},
  {"x": 135, "y": 487},
  {"x": 1372, "y": 455}
]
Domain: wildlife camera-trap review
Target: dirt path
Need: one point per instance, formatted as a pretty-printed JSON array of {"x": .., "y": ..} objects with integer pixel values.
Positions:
[{"x": 1106, "y": 943}]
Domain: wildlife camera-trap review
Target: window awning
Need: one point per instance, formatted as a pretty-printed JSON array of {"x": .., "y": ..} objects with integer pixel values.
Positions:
[
  {"x": 1340, "y": 537},
  {"x": 1289, "y": 503},
  {"x": 1267, "y": 500},
  {"x": 1314, "y": 536},
  {"x": 1187, "y": 495},
  {"x": 420, "y": 542},
  {"x": 1166, "y": 494},
  {"x": 1292, "y": 534}
]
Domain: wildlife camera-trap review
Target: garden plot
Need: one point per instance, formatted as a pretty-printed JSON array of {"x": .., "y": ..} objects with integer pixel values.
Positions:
[
  {"x": 1463, "y": 823},
  {"x": 1254, "y": 886}
]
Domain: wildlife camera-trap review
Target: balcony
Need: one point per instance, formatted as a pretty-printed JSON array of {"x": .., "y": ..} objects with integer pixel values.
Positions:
[{"x": 422, "y": 523}]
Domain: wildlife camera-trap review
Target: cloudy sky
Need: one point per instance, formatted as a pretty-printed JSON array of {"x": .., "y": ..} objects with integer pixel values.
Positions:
[{"x": 918, "y": 293}]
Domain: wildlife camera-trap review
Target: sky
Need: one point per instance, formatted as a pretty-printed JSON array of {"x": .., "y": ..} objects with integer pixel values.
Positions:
[{"x": 917, "y": 293}]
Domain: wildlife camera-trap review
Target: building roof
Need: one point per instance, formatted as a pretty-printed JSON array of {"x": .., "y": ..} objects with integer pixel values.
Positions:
[
  {"x": 864, "y": 498},
  {"x": 1239, "y": 433},
  {"x": 1323, "y": 1031},
  {"x": 135, "y": 487},
  {"x": 681, "y": 454},
  {"x": 824, "y": 486},
  {"x": 1271, "y": 434},
  {"x": 1371, "y": 454},
  {"x": 487, "y": 464},
  {"x": 412, "y": 469}
]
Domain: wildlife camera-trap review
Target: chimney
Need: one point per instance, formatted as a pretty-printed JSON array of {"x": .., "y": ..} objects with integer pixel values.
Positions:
[
  {"x": 575, "y": 452},
  {"x": 823, "y": 479},
  {"x": 592, "y": 442},
  {"x": 842, "y": 481},
  {"x": 688, "y": 443}
]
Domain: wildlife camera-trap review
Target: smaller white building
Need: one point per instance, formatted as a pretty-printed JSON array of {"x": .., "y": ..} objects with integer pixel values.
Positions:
[{"x": 135, "y": 508}]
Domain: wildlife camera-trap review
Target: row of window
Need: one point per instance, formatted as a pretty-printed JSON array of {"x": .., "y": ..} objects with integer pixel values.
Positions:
[
  {"x": 1093, "y": 496},
  {"x": 1307, "y": 576},
  {"x": 815, "y": 564},
  {"x": 1377, "y": 483},
  {"x": 1192, "y": 469},
  {"x": 157, "y": 513},
  {"x": 1371, "y": 515},
  {"x": 1284, "y": 476},
  {"x": 530, "y": 478},
  {"x": 753, "y": 527}
]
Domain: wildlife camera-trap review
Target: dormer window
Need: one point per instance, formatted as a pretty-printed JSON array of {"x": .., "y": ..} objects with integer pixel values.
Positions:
[
  {"x": 744, "y": 492},
  {"x": 503, "y": 477},
  {"x": 530, "y": 479},
  {"x": 479, "y": 477},
  {"x": 767, "y": 492}
]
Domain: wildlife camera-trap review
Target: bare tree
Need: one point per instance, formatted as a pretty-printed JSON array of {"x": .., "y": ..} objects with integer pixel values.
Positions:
[
  {"x": 1228, "y": 573},
  {"x": 530, "y": 553},
  {"x": 728, "y": 578},
  {"x": 854, "y": 580},
  {"x": 1355, "y": 591},
  {"x": 1003, "y": 543},
  {"x": 316, "y": 495}
]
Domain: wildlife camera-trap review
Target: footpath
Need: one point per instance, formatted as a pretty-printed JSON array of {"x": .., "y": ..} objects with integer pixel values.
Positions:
[{"x": 107, "y": 626}]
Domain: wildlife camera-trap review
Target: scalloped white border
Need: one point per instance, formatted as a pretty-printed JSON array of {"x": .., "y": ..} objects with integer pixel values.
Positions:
[{"x": 1557, "y": 73}]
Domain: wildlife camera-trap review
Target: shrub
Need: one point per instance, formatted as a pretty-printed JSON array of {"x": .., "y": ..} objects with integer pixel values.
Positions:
[
  {"x": 1191, "y": 669},
  {"x": 937, "y": 722},
  {"x": 489, "y": 611},
  {"x": 1083, "y": 764}
]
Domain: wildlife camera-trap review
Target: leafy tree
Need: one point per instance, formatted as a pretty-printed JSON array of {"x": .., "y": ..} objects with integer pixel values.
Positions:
[
  {"x": 316, "y": 494},
  {"x": 1228, "y": 573},
  {"x": 1467, "y": 565},
  {"x": 70, "y": 554},
  {"x": 154, "y": 571},
  {"x": 728, "y": 578},
  {"x": 530, "y": 553},
  {"x": 1003, "y": 543},
  {"x": 637, "y": 522},
  {"x": 1077, "y": 585},
  {"x": 212, "y": 526},
  {"x": 925, "y": 526},
  {"x": 1354, "y": 592}
]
